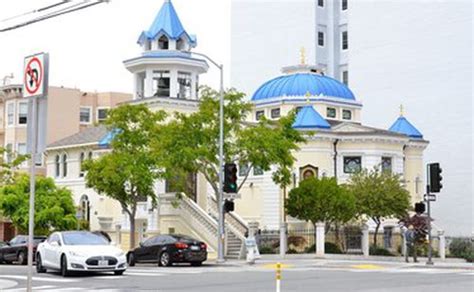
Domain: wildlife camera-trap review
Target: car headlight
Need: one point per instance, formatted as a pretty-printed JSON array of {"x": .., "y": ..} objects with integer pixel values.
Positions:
[
  {"x": 120, "y": 254},
  {"x": 76, "y": 254}
]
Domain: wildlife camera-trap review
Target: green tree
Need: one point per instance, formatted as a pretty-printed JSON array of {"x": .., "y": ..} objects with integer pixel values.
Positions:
[
  {"x": 321, "y": 200},
  {"x": 379, "y": 195},
  {"x": 190, "y": 142},
  {"x": 9, "y": 163},
  {"x": 127, "y": 173},
  {"x": 54, "y": 207}
]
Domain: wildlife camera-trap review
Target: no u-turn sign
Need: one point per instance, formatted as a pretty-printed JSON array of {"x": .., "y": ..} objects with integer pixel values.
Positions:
[{"x": 35, "y": 75}]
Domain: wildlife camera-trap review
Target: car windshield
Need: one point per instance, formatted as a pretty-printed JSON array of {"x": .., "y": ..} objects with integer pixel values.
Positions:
[{"x": 83, "y": 238}]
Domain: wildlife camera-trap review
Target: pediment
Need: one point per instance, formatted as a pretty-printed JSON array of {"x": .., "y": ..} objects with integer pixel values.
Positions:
[{"x": 350, "y": 127}]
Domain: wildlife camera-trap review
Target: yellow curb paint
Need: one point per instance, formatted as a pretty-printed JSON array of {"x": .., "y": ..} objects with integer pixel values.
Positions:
[
  {"x": 274, "y": 266},
  {"x": 368, "y": 267}
]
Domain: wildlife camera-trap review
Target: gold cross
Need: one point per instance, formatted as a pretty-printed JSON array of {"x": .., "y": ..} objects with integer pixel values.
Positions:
[
  {"x": 401, "y": 110},
  {"x": 303, "y": 56},
  {"x": 308, "y": 94}
]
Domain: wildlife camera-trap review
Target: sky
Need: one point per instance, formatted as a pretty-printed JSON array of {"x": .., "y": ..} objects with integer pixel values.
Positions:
[{"x": 87, "y": 47}]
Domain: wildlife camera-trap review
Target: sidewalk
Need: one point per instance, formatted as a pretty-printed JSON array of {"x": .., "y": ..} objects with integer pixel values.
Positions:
[{"x": 338, "y": 260}]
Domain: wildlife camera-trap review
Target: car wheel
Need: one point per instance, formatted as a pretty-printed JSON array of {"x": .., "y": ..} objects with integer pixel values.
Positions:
[
  {"x": 39, "y": 265},
  {"x": 64, "y": 270},
  {"x": 118, "y": 273},
  {"x": 22, "y": 259},
  {"x": 165, "y": 260},
  {"x": 131, "y": 259},
  {"x": 196, "y": 264}
]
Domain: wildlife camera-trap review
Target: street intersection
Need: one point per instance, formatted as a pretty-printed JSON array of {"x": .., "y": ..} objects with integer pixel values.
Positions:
[{"x": 301, "y": 275}]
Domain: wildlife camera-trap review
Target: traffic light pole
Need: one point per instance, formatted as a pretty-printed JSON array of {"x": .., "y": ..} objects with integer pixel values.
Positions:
[
  {"x": 220, "y": 198},
  {"x": 428, "y": 202}
]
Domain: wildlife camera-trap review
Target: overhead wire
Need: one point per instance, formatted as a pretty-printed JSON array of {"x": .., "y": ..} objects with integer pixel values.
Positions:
[
  {"x": 36, "y": 10},
  {"x": 55, "y": 14}
]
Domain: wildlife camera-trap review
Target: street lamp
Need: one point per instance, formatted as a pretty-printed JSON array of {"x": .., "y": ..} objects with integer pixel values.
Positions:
[{"x": 221, "y": 231}]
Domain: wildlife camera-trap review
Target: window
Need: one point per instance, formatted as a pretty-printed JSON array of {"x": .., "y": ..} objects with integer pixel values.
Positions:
[
  {"x": 352, "y": 164},
  {"x": 346, "y": 114},
  {"x": 21, "y": 148},
  {"x": 184, "y": 83},
  {"x": 257, "y": 170},
  {"x": 85, "y": 115},
  {"x": 298, "y": 108},
  {"x": 345, "y": 77},
  {"x": 275, "y": 113},
  {"x": 387, "y": 164},
  {"x": 345, "y": 40},
  {"x": 57, "y": 165},
  {"x": 64, "y": 165},
  {"x": 387, "y": 237},
  {"x": 344, "y": 5},
  {"x": 163, "y": 43},
  {"x": 321, "y": 3},
  {"x": 161, "y": 83},
  {"x": 82, "y": 157},
  {"x": 320, "y": 38},
  {"x": 90, "y": 155},
  {"x": 331, "y": 112},
  {"x": 22, "y": 113},
  {"x": 10, "y": 113},
  {"x": 102, "y": 114},
  {"x": 259, "y": 115},
  {"x": 243, "y": 169}
]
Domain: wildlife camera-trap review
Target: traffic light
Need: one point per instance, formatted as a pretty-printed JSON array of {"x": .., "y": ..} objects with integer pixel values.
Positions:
[
  {"x": 230, "y": 178},
  {"x": 435, "y": 177},
  {"x": 420, "y": 208},
  {"x": 228, "y": 206}
]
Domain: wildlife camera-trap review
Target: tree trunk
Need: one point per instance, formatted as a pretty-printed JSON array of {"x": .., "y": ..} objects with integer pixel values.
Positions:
[
  {"x": 376, "y": 232},
  {"x": 132, "y": 230}
]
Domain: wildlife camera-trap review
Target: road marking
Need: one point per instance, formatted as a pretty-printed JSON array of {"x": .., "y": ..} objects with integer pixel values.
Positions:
[
  {"x": 144, "y": 274},
  {"x": 41, "y": 279},
  {"x": 4, "y": 284},
  {"x": 44, "y": 287},
  {"x": 274, "y": 266},
  {"x": 368, "y": 267}
]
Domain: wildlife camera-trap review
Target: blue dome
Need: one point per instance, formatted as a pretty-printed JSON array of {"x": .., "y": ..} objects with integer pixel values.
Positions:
[{"x": 299, "y": 84}]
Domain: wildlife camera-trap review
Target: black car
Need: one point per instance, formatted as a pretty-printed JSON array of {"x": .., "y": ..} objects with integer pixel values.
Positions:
[
  {"x": 169, "y": 249},
  {"x": 16, "y": 250}
]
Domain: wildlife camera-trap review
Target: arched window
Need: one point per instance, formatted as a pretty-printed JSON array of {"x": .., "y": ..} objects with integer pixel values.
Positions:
[
  {"x": 163, "y": 43},
  {"x": 64, "y": 165},
  {"x": 82, "y": 157},
  {"x": 181, "y": 44},
  {"x": 84, "y": 206},
  {"x": 90, "y": 155},
  {"x": 57, "y": 165}
]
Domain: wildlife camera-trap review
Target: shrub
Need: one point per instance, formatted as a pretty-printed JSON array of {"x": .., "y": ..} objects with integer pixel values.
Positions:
[
  {"x": 265, "y": 249},
  {"x": 329, "y": 247},
  {"x": 462, "y": 248},
  {"x": 375, "y": 250},
  {"x": 291, "y": 251}
]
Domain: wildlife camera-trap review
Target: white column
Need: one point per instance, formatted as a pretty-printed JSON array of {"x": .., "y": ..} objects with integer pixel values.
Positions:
[
  {"x": 136, "y": 80},
  {"x": 320, "y": 238},
  {"x": 442, "y": 245},
  {"x": 172, "y": 45},
  {"x": 173, "y": 83},
  {"x": 365, "y": 240},
  {"x": 154, "y": 45},
  {"x": 148, "y": 83},
  {"x": 193, "y": 86},
  {"x": 283, "y": 240}
]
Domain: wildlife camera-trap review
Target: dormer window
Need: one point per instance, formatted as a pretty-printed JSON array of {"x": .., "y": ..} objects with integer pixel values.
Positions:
[
  {"x": 163, "y": 43},
  {"x": 331, "y": 112},
  {"x": 346, "y": 114},
  {"x": 181, "y": 45}
]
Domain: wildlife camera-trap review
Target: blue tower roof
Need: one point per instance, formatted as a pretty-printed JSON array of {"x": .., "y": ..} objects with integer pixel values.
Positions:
[
  {"x": 309, "y": 118},
  {"x": 403, "y": 126},
  {"x": 166, "y": 22},
  {"x": 299, "y": 84}
]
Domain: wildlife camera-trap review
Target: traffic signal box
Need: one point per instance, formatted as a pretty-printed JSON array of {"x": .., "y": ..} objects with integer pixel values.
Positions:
[
  {"x": 230, "y": 178},
  {"x": 228, "y": 206},
  {"x": 435, "y": 177}
]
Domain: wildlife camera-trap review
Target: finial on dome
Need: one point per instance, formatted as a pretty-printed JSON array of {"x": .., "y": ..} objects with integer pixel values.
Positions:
[
  {"x": 308, "y": 94},
  {"x": 401, "y": 110},
  {"x": 303, "y": 56}
]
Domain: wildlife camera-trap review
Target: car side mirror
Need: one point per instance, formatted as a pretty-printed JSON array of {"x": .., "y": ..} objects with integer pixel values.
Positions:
[
  {"x": 7, "y": 243},
  {"x": 141, "y": 244}
]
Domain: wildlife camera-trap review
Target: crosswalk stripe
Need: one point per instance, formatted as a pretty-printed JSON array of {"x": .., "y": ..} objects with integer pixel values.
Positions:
[
  {"x": 144, "y": 274},
  {"x": 41, "y": 279}
]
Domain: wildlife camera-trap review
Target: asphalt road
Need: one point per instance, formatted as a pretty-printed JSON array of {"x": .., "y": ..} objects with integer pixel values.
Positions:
[{"x": 238, "y": 278}]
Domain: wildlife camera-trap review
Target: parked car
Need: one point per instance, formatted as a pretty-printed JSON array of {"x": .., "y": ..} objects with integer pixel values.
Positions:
[
  {"x": 82, "y": 251},
  {"x": 16, "y": 250},
  {"x": 168, "y": 249}
]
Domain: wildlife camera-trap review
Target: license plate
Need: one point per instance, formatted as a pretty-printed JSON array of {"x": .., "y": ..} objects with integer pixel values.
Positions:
[
  {"x": 193, "y": 247},
  {"x": 103, "y": 263}
]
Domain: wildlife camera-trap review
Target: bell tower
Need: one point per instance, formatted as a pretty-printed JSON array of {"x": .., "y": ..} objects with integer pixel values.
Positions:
[{"x": 166, "y": 67}]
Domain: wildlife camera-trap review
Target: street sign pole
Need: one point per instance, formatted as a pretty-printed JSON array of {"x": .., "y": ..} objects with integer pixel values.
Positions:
[
  {"x": 31, "y": 222},
  {"x": 35, "y": 87}
]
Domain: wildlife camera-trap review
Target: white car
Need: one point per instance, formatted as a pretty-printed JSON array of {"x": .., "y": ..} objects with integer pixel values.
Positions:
[{"x": 81, "y": 251}]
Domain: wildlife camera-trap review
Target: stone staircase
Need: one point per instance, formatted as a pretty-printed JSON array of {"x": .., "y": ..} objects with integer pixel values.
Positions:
[{"x": 234, "y": 247}]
